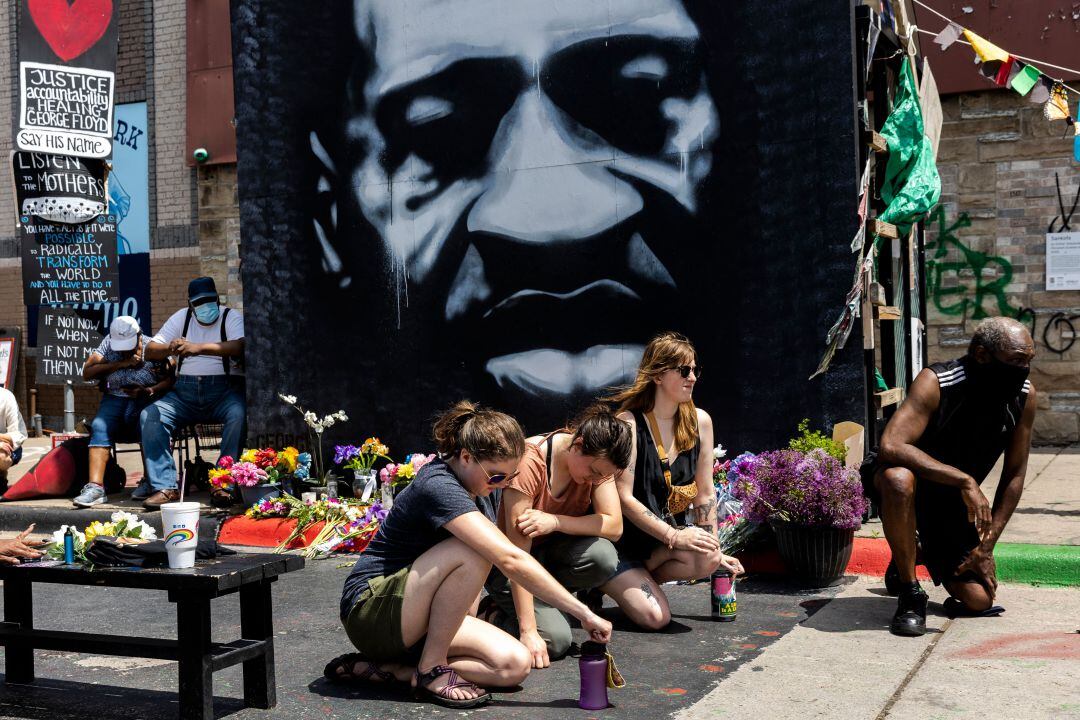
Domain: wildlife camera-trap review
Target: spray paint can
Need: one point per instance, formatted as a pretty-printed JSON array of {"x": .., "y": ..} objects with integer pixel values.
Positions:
[
  {"x": 722, "y": 596},
  {"x": 69, "y": 546}
]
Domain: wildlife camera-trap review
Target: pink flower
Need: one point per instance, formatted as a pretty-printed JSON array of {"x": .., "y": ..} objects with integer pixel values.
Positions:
[
  {"x": 226, "y": 462},
  {"x": 387, "y": 474},
  {"x": 246, "y": 474}
]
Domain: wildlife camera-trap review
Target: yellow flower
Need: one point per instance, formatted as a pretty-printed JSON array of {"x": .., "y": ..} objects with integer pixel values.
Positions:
[
  {"x": 406, "y": 470},
  {"x": 248, "y": 456},
  {"x": 288, "y": 456},
  {"x": 374, "y": 446},
  {"x": 98, "y": 528}
]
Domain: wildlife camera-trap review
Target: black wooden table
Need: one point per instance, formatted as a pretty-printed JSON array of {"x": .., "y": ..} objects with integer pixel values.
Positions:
[{"x": 191, "y": 590}]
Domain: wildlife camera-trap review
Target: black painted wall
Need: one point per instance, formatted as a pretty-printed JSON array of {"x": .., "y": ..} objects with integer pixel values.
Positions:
[{"x": 761, "y": 268}]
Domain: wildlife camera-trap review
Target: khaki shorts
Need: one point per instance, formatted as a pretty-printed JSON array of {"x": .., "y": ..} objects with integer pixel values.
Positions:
[{"x": 374, "y": 623}]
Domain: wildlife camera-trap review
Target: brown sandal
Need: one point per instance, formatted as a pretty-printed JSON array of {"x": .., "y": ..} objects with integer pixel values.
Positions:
[
  {"x": 332, "y": 671},
  {"x": 441, "y": 696}
]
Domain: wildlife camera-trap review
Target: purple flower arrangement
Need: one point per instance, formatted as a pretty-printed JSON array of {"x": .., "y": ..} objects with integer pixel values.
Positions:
[{"x": 811, "y": 489}]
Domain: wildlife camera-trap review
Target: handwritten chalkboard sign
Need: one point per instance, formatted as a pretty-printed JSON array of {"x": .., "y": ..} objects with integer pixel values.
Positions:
[
  {"x": 59, "y": 188},
  {"x": 67, "y": 76},
  {"x": 69, "y": 263},
  {"x": 66, "y": 337}
]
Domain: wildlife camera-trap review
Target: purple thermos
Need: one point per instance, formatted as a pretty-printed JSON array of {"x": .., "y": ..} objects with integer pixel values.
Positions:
[{"x": 593, "y": 665}]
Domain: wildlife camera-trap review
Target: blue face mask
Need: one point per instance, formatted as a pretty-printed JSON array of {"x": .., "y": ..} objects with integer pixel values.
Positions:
[{"x": 207, "y": 313}]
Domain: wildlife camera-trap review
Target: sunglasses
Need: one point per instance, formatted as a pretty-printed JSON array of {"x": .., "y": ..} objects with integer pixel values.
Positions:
[
  {"x": 497, "y": 478},
  {"x": 685, "y": 370}
]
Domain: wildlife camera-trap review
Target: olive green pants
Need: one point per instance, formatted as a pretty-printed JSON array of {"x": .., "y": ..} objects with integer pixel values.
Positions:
[{"x": 578, "y": 563}]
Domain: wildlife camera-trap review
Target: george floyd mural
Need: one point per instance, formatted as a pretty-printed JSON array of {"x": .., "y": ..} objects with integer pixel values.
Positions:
[{"x": 504, "y": 200}]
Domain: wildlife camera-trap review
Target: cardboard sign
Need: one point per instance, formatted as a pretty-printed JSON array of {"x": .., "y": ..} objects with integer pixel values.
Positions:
[
  {"x": 67, "y": 76},
  {"x": 59, "y": 188},
  {"x": 66, "y": 337},
  {"x": 69, "y": 263}
]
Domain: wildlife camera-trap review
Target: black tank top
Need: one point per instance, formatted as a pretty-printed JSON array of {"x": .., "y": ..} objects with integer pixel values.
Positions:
[
  {"x": 969, "y": 431},
  {"x": 651, "y": 489}
]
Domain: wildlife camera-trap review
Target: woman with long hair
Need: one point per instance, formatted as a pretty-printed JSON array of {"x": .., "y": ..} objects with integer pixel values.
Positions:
[
  {"x": 405, "y": 605},
  {"x": 670, "y": 470},
  {"x": 563, "y": 508}
]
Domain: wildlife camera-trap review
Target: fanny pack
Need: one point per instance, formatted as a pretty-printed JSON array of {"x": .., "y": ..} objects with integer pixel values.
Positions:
[{"x": 679, "y": 496}]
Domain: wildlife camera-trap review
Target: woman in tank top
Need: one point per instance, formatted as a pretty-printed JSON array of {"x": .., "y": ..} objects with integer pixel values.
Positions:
[
  {"x": 668, "y": 483},
  {"x": 562, "y": 507}
]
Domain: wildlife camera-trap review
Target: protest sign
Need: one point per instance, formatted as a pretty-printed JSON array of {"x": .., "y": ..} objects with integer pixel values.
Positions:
[
  {"x": 69, "y": 263},
  {"x": 66, "y": 337},
  {"x": 59, "y": 188},
  {"x": 67, "y": 74}
]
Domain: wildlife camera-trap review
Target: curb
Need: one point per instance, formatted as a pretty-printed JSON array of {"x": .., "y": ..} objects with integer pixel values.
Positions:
[
  {"x": 15, "y": 517},
  {"x": 1051, "y": 565}
]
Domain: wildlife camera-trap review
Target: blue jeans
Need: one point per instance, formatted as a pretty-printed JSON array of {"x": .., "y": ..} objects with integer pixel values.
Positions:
[
  {"x": 194, "y": 399},
  {"x": 114, "y": 415}
]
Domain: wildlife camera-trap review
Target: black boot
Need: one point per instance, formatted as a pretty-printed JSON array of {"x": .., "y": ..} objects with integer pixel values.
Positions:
[
  {"x": 893, "y": 584},
  {"x": 910, "y": 617}
]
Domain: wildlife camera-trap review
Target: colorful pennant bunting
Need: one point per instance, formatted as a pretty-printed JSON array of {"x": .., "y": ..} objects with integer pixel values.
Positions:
[
  {"x": 985, "y": 49},
  {"x": 948, "y": 36},
  {"x": 1025, "y": 77},
  {"x": 1041, "y": 92}
]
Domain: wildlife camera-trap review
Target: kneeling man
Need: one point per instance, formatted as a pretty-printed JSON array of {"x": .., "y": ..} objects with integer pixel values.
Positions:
[{"x": 937, "y": 449}]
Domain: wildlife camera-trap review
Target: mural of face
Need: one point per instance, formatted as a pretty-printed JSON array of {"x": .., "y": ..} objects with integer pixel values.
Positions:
[{"x": 533, "y": 174}]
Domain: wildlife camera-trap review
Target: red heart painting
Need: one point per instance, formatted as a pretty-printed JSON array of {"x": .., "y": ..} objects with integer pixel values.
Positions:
[{"x": 71, "y": 29}]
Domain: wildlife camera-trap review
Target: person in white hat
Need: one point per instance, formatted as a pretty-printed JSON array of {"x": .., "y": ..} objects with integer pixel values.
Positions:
[{"x": 129, "y": 383}]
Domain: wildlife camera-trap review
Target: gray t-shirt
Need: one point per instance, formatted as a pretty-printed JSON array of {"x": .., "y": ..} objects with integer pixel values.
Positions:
[{"x": 414, "y": 526}]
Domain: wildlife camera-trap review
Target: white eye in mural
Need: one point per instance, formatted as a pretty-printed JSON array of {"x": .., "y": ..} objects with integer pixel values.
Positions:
[
  {"x": 427, "y": 109},
  {"x": 649, "y": 67}
]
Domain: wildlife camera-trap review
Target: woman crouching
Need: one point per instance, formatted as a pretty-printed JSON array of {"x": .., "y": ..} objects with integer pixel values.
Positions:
[
  {"x": 563, "y": 508},
  {"x": 668, "y": 473},
  {"x": 405, "y": 604}
]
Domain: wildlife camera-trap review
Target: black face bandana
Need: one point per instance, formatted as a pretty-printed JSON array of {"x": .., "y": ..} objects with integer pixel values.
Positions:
[{"x": 996, "y": 379}]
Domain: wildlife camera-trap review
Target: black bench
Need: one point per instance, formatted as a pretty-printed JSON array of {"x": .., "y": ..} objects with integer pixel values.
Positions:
[{"x": 191, "y": 590}]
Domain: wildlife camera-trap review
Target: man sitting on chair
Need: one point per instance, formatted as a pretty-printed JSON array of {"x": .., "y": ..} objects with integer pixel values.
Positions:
[
  {"x": 936, "y": 450},
  {"x": 208, "y": 341}
]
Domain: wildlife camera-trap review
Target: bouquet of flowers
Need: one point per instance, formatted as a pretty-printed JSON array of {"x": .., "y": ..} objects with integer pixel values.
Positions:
[
  {"x": 401, "y": 474},
  {"x": 735, "y": 530},
  {"x": 720, "y": 469},
  {"x": 264, "y": 466},
  {"x": 316, "y": 428},
  {"x": 268, "y": 508},
  {"x": 363, "y": 458},
  {"x": 348, "y": 523},
  {"x": 120, "y": 525},
  {"x": 812, "y": 489}
]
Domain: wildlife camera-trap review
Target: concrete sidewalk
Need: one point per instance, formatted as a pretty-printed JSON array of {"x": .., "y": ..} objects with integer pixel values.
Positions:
[{"x": 841, "y": 662}]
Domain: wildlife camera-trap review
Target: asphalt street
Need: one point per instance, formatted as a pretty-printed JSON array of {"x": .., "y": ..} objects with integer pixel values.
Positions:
[{"x": 666, "y": 672}]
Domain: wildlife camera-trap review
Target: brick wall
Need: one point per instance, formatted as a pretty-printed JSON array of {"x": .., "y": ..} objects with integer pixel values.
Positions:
[
  {"x": 151, "y": 66},
  {"x": 986, "y": 250},
  {"x": 219, "y": 230}
]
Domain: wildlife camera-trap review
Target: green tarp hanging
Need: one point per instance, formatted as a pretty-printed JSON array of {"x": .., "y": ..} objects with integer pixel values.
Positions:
[{"x": 912, "y": 185}]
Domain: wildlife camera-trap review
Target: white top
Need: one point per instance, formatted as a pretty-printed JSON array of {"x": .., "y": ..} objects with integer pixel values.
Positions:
[
  {"x": 173, "y": 329},
  {"x": 11, "y": 420}
]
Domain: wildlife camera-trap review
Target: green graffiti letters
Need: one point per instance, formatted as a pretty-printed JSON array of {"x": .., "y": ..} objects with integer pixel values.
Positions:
[{"x": 952, "y": 259}]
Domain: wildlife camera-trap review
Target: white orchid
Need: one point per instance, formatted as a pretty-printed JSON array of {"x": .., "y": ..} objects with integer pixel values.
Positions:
[
  {"x": 316, "y": 429},
  {"x": 719, "y": 452}
]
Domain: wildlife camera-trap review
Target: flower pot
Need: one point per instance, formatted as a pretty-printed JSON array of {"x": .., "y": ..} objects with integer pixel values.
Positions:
[
  {"x": 252, "y": 495},
  {"x": 817, "y": 556},
  {"x": 387, "y": 496}
]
